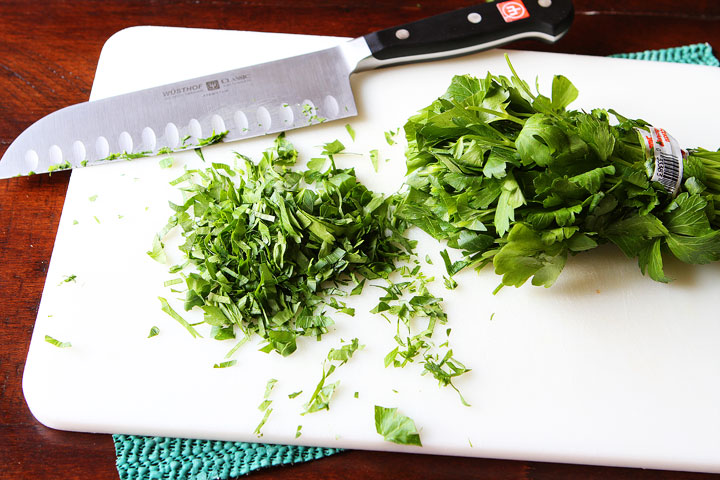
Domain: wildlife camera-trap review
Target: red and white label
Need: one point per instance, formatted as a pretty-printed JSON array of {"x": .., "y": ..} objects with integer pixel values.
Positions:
[
  {"x": 513, "y": 10},
  {"x": 668, "y": 158}
]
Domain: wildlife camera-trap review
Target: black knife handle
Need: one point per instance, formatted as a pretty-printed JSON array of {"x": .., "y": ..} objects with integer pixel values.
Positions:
[{"x": 471, "y": 29}]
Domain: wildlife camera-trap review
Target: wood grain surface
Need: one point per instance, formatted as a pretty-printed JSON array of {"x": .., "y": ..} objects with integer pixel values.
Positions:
[{"x": 48, "y": 55}]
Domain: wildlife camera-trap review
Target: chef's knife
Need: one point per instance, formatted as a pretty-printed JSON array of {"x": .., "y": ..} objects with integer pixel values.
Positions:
[{"x": 269, "y": 97}]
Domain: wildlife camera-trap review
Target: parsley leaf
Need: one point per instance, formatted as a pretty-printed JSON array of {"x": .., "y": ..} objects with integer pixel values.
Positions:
[{"x": 395, "y": 427}]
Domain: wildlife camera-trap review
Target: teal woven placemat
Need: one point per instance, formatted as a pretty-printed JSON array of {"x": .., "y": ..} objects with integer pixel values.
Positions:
[{"x": 146, "y": 458}]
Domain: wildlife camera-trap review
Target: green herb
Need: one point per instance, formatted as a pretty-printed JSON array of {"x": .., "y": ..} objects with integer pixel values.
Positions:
[
  {"x": 96, "y": 219},
  {"x": 257, "y": 431},
  {"x": 62, "y": 166},
  {"x": 374, "y": 159},
  {"x": 356, "y": 395},
  {"x": 395, "y": 427},
  {"x": 320, "y": 398},
  {"x": 93, "y": 198},
  {"x": 345, "y": 353},
  {"x": 212, "y": 139},
  {"x": 444, "y": 370},
  {"x": 264, "y": 406},
  {"x": 298, "y": 432},
  {"x": 68, "y": 279},
  {"x": 158, "y": 250},
  {"x": 227, "y": 364},
  {"x": 269, "y": 246},
  {"x": 390, "y": 136},
  {"x": 57, "y": 343},
  {"x": 165, "y": 307},
  {"x": 166, "y": 162},
  {"x": 154, "y": 331},
  {"x": 409, "y": 301},
  {"x": 75, "y": 222},
  {"x": 516, "y": 179},
  {"x": 350, "y": 131},
  {"x": 294, "y": 394},
  {"x": 310, "y": 113},
  {"x": 450, "y": 283},
  {"x": 269, "y": 387}
]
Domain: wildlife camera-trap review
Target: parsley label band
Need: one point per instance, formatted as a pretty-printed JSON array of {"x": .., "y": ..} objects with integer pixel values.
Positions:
[{"x": 667, "y": 158}]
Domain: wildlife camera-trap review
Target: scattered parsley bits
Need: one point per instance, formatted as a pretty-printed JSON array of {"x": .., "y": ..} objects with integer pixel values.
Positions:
[
  {"x": 153, "y": 332},
  {"x": 298, "y": 432},
  {"x": 165, "y": 307},
  {"x": 257, "y": 431},
  {"x": 390, "y": 136},
  {"x": 93, "y": 198},
  {"x": 395, "y": 427},
  {"x": 320, "y": 398},
  {"x": 350, "y": 131},
  {"x": 294, "y": 394},
  {"x": 57, "y": 343},
  {"x": 68, "y": 279},
  {"x": 450, "y": 283},
  {"x": 264, "y": 406},
  {"x": 518, "y": 180},
  {"x": 166, "y": 162},
  {"x": 227, "y": 364},
  {"x": 374, "y": 156}
]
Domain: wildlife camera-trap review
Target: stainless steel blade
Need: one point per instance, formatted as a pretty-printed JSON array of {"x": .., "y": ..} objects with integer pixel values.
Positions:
[{"x": 247, "y": 102}]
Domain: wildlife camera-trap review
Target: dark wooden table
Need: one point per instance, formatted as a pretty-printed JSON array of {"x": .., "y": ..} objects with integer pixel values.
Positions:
[{"x": 48, "y": 54}]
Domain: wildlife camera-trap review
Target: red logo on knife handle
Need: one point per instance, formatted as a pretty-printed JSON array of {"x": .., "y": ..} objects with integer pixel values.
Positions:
[{"x": 513, "y": 10}]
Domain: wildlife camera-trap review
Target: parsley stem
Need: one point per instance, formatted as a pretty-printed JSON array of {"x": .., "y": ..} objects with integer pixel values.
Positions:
[{"x": 504, "y": 116}]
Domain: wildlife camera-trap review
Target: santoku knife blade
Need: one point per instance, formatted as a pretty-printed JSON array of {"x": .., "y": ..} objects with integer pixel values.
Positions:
[{"x": 269, "y": 97}]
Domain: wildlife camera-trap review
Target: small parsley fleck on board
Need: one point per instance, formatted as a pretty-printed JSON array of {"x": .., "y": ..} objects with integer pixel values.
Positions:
[
  {"x": 350, "y": 131},
  {"x": 390, "y": 136},
  {"x": 374, "y": 155},
  {"x": 227, "y": 364},
  {"x": 265, "y": 417},
  {"x": 153, "y": 332},
  {"x": 57, "y": 343},
  {"x": 93, "y": 198},
  {"x": 68, "y": 279}
]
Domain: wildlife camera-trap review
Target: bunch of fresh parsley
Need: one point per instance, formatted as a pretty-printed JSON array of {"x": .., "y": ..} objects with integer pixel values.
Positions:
[{"x": 518, "y": 180}]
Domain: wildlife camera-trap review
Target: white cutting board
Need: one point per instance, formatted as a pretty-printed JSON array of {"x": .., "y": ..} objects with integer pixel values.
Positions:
[{"x": 606, "y": 367}]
